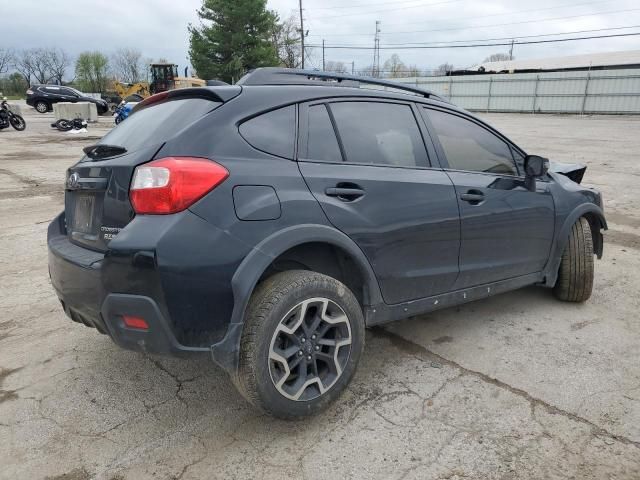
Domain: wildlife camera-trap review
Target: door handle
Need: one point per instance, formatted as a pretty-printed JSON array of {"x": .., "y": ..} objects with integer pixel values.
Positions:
[
  {"x": 346, "y": 194},
  {"x": 474, "y": 197}
]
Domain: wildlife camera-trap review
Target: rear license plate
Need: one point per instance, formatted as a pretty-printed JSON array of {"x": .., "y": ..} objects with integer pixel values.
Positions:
[{"x": 83, "y": 214}]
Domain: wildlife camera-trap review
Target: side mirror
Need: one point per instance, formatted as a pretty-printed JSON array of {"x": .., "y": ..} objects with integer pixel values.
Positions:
[{"x": 534, "y": 167}]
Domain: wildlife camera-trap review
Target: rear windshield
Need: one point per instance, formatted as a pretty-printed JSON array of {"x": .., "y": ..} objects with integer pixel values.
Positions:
[{"x": 158, "y": 123}]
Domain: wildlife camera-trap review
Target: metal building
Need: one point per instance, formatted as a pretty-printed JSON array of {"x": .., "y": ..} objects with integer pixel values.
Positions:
[{"x": 599, "y": 83}]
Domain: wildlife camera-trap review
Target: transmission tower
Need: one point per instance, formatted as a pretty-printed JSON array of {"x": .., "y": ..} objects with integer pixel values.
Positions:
[{"x": 375, "y": 70}]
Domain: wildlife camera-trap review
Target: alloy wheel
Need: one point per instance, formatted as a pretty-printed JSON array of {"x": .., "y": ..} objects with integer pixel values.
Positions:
[
  {"x": 309, "y": 349},
  {"x": 41, "y": 107}
]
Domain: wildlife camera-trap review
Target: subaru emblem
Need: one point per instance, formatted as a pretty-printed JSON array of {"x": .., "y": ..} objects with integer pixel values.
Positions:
[{"x": 73, "y": 181}]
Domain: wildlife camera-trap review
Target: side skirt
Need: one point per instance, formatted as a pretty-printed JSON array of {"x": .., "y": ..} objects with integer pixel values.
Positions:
[{"x": 382, "y": 313}]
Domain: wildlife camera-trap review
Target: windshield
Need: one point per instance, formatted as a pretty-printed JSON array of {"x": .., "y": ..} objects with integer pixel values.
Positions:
[
  {"x": 158, "y": 123},
  {"x": 77, "y": 92}
]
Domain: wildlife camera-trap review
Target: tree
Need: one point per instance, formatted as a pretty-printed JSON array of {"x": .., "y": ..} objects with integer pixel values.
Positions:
[
  {"x": 443, "y": 69},
  {"x": 286, "y": 41},
  {"x": 57, "y": 62},
  {"x": 234, "y": 36},
  {"x": 23, "y": 63},
  {"x": 127, "y": 65},
  {"x": 332, "y": 66},
  {"x": 394, "y": 67},
  {"x": 6, "y": 60},
  {"x": 498, "y": 57},
  {"x": 92, "y": 69},
  {"x": 13, "y": 84}
]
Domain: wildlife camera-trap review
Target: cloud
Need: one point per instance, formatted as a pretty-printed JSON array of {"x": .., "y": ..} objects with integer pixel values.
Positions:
[{"x": 159, "y": 27}]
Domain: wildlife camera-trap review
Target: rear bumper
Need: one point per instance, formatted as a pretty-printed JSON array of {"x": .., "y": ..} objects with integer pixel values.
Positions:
[{"x": 79, "y": 277}]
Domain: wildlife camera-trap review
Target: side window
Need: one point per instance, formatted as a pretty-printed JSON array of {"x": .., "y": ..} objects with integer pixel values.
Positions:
[
  {"x": 54, "y": 90},
  {"x": 322, "y": 143},
  {"x": 273, "y": 132},
  {"x": 379, "y": 133},
  {"x": 470, "y": 147},
  {"x": 66, "y": 91}
]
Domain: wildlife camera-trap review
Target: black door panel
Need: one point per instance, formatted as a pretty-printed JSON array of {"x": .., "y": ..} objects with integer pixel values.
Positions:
[
  {"x": 505, "y": 229},
  {"x": 406, "y": 222},
  {"x": 507, "y": 233}
]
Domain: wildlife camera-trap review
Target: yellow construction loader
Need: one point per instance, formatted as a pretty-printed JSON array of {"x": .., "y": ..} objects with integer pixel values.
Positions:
[{"x": 164, "y": 76}]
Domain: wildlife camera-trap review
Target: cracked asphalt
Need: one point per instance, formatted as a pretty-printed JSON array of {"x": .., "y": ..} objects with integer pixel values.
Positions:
[{"x": 519, "y": 386}]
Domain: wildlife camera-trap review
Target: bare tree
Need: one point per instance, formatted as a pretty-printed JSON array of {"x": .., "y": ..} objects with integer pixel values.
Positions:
[
  {"x": 333, "y": 66},
  {"x": 6, "y": 60},
  {"x": 286, "y": 40},
  {"x": 443, "y": 69},
  {"x": 57, "y": 62},
  {"x": 127, "y": 65},
  {"x": 394, "y": 67},
  {"x": 23, "y": 63},
  {"x": 497, "y": 57}
]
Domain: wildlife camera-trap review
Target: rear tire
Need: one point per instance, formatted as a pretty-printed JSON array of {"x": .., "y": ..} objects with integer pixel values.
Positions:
[
  {"x": 41, "y": 107},
  {"x": 575, "y": 276},
  {"x": 301, "y": 342}
]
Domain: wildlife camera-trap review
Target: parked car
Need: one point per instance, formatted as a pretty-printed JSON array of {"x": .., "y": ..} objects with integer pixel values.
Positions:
[
  {"x": 42, "y": 98},
  {"x": 268, "y": 223}
]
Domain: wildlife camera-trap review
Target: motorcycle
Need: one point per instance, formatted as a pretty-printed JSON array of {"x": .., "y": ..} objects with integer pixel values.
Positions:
[
  {"x": 123, "y": 110},
  {"x": 7, "y": 117},
  {"x": 66, "y": 125}
]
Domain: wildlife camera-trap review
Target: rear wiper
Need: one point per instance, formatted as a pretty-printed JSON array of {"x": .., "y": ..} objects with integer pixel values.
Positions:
[{"x": 103, "y": 151}]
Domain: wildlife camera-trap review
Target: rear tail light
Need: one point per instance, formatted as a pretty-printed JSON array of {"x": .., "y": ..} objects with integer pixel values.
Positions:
[
  {"x": 29, "y": 92},
  {"x": 172, "y": 184}
]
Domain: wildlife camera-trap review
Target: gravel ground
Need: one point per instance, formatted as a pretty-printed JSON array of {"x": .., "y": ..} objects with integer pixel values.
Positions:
[{"x": 516, "y": 386}]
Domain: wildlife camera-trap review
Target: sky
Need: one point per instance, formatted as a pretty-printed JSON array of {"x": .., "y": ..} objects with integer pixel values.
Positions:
[{"x": 159, "y": 27}]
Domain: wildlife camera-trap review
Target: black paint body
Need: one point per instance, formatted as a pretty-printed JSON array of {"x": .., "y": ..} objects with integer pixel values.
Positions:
[{"x": 416, "y": 244}]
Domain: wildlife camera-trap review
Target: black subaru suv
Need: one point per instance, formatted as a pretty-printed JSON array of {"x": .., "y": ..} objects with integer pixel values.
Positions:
[
  {"x": 270, "y": 222},
  {"x": 42, "y": 98}
]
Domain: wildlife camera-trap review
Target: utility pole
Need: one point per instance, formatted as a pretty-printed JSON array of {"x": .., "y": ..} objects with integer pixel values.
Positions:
[
  {"x": 511, "y": 50},
  {"x": 301, "y": 32},
  {"x": 375, "y": 70},
  {"x": 353, "y": 67},
  {"x": 323, "y": 54}
]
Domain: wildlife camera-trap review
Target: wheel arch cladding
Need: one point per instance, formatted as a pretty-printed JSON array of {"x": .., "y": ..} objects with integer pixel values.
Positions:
[
  {"x": 257, "y": 262},
  {"x": 597, "y": 222}
]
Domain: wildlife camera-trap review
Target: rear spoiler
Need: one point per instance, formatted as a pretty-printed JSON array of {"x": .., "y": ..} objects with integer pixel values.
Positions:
[{"x": 216, "y": 94}]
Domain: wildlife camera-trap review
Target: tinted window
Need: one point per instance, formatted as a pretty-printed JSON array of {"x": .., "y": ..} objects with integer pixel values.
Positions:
[
  {"x": 322, "y": 143},
  {"x": 468, "y": 146},
  {"x": 55, "y": 90},
  {"x": 158, "y": 123},
  {"x": 379, "y": 133},
  {"x": 272, "y": 132}
]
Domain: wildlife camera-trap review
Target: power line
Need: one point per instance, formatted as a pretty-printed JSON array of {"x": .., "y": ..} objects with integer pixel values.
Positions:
[
  {"x": 360, "y": 5},
  {"x": 394, "y": 9},
  {"x": 518, "y": 12},
  {"x": 346, "y": 47},
  {"x": 469, "y": 27},
  {"x": 507, "y": 38}
]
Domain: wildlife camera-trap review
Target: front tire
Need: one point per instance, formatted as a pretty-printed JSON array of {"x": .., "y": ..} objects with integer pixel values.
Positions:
[
  {"x": 575, "y": 276},
  {"x": 41, "y": 107},
  {"x": 302, "y": 339},
  {"x": 18, "y": 122}
]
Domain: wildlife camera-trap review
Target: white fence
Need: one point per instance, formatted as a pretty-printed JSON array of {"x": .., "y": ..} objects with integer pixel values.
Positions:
[{"x": 597, "y": 91}]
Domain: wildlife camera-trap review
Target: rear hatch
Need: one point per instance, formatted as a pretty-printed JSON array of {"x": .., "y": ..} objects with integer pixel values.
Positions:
[{"x": 97, "y": 202}]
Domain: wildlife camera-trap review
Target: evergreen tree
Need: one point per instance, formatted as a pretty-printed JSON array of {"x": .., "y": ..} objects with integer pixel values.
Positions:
[{"x": 234, "y": 36}]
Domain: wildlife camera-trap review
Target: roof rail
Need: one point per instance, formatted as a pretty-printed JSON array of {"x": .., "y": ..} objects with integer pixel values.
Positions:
[{"x": 294, "y": 76}]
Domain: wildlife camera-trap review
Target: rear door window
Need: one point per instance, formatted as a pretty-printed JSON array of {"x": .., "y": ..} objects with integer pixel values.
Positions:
[
  {"x": 158, "y": 123},
  {"x": 273, "y": 132},
  {"x": 322, "y": 143},
  {"x": 379, "y": 133}
]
